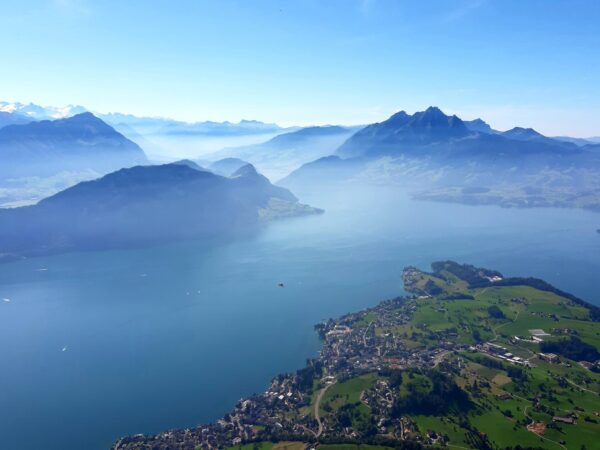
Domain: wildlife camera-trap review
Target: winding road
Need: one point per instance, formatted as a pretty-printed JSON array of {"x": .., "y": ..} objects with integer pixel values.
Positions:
[
  {"x": 533, "y": 420},
  {"x": 317, "y": 405}
]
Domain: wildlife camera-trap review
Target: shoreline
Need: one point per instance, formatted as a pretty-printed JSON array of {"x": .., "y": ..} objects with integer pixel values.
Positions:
[{"x": 297, "y": 407}]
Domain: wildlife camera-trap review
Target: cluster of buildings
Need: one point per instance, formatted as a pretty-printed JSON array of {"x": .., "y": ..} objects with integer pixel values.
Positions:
[
  {"x": 351, "y": 346},
  {"x": 350, "y": 350},
  {"x": 368, "y": 341},
  {"x": 273, "y": 413},
  {"x": 358, "y": 343},
  {"x": 500, "y": 352}
]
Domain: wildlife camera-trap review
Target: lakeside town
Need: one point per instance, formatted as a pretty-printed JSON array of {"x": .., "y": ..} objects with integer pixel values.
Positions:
[
  {"x": 348, "y": 351},
  {"x": 382, "y": 356}
]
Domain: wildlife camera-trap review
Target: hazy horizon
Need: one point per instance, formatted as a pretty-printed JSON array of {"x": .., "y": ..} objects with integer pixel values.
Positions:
[
  {"x": 258, "y": 138},
  {"x": 308, "y": 63}
]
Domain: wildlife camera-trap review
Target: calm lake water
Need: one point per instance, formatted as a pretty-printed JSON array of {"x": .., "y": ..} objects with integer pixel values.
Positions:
[{"x": 98, "y": 345}]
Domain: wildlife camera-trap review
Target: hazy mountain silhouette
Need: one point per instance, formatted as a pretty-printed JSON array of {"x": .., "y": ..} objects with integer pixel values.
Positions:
[
  {"x": 7, "y": 118},
  {"x": 479, "y": 125},
  {"x": 430, "y": 150},
  {"x": 209, "y": 128},
  {"x": 404, "y": 132},
  {"x": 530, "y": 135},
  {"x": 227, "y": 166},
  {"x": 191, "y": 164},
  {"x": 80, "y": 142},
  {"x": 37, "y": 112},
  {"x": 143, "y": 205},
  {"x": 281, "y": 154}
]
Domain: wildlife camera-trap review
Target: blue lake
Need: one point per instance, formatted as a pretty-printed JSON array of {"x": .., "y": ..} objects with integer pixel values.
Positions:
[{"x": 98, "y": 345}]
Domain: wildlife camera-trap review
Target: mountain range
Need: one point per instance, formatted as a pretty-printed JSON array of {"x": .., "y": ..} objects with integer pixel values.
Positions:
[
  {"x": 37, "y": 112},
  {"x": 285, "y": 152},
  {"x": 404, "y": 132},
  {"x": 432, "y": 131},
  {"x": 146, "y": 205},
  {"x": 436, "y": 156},
  {"x": 142, "y": 125},
  {"x": 442, "y": 157}
]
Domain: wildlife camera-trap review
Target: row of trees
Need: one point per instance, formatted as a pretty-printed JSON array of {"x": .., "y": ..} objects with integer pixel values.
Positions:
[
  {"x": 444, "y": 395},
  {"x": 572, "y": 348}
]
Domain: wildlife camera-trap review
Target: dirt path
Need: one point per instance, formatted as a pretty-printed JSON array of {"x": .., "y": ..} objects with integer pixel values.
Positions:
[
  {"x": 503, "y": 324},
  {"x": 581, "y": 387},
  {"x": 531, "y": 418}
]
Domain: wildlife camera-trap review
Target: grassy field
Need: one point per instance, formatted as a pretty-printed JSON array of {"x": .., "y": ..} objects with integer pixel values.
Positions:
[
  {"x": 365, "y": 321},
  {"x": 504, "y": 406},
  {"x": 503, "y": 397},
  {"x": 345, "y": 393}
]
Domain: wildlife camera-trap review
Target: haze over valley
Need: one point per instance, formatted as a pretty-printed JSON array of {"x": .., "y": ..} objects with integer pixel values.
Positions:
[
  {"x": 429, "y": 154},
  {"x": 347, "y": 202},
  {"x": 270, "y": 225}
]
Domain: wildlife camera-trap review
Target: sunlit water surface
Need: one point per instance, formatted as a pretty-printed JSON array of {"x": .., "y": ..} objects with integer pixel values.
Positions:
[{"x": 98, "y": 345}]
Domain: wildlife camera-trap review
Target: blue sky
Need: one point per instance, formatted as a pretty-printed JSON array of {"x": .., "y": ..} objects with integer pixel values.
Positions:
[{"x": 526, "y": 62}]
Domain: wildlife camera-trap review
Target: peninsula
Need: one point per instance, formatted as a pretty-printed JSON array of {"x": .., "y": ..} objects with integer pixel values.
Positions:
[{"x": 470, "y": 359}]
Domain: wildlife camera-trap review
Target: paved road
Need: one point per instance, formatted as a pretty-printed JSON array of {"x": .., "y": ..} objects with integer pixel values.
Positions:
[
  {"x": 317, "y": 404},
  {"x": 439, "y": 358}
]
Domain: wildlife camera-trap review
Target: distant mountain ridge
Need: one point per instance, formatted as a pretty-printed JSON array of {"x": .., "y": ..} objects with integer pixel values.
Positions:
[
  {"x": 163, "y": 125},
  {"x": 210, "y": 128},
  {"x": 227, "y": 166},
  {"x": 440, "y": 155},
  {"x": 145, "y": 205},
  {"x": 578, "y": 141},
  {"x": 479, "y": 125},
  {"x": 432, "y": 152},
  {"x": 37, "y": 112},
  {"x": 404, "y": 130},
  {"x": 80, "y": 142},
  {"x": 431, "y": 129},
  {"x": 529, "y": 134},
  {"x": 144, "y": 125},
  {"x": 285, "y": 152}
]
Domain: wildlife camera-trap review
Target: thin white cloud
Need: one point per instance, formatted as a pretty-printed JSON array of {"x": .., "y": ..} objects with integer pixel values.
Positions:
[
  {"x": 72, "y": 7},
  {"x": 463, "y": 9},
  {"x": 365, "y": 6}
]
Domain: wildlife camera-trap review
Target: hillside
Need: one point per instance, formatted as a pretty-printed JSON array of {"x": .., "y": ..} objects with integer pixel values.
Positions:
[
  {"x": 145, "y": 205},
  {"x": 463, "y": 362},
  {"x": 7, "y": 118}
]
